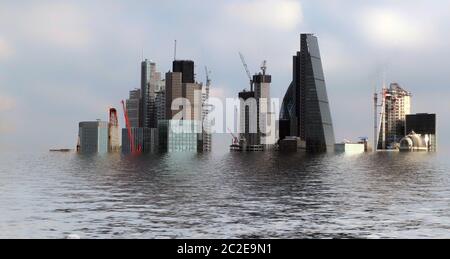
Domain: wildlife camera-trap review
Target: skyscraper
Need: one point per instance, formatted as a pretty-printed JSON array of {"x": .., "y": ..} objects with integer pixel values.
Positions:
[
  {"x": 396, "y": 104},
  {"x": 133, "y": 107},
  {"x": 186, "y": 67},
  {"x": 305, "y": 109},
  {"x": 257, "y": 131},
  {"x": 249, "y": 139},
  {"x": 266, "y": 127},
  {"x": 161, "y": 104},
  {"x": 182, "y": 131},
  {"x": 150, "y": 80},
  {"x": 174, "y": 90}
]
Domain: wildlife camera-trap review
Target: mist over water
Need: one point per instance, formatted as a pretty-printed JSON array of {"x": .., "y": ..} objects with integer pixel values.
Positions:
[{"x": 225, "y": 195}]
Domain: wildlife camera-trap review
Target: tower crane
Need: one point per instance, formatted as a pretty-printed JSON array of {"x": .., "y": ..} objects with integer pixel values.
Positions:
[
  {"x": 130, "y": 135},
  {"x": 127, "y": 123},
  {"x": 247, "y": 70},
  {"x": 208, "y": 82},
  {"x": 235, "y": 139}
]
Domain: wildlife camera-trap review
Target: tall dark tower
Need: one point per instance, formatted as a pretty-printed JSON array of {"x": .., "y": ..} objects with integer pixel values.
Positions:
[
  {"x": 149, "y": 82},
  {"x": 186, "y": 67},
  {"x": 305, "y": 107}
]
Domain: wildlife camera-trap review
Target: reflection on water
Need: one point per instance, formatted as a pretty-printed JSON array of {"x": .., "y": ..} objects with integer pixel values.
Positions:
[{"x": 231, "y": 195}]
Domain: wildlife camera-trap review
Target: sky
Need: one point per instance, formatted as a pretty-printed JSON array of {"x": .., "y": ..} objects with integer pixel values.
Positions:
[{"x": 67, "y": 61}]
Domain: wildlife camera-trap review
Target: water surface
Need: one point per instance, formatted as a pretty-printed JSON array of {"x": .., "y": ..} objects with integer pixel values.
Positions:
[{"x": 225, "y": 195}]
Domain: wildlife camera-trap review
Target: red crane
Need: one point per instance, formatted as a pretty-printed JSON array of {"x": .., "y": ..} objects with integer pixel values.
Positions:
[
  {"x": 127, "y": 122},
  {"x": 235, "y": 139},
  {"x": 113, "y": 120}
]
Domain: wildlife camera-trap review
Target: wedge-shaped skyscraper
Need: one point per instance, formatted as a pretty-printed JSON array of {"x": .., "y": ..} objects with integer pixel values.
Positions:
[{"x": 305, "y": 112}]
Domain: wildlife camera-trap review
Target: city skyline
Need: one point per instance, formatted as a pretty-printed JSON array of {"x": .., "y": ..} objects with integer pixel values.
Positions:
[{"x": 78, "y": 68}]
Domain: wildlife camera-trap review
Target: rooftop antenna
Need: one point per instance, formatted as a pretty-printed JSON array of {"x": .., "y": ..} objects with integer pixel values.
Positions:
[
  {"x": 264, "y": 67},
  {"x": 175, "y": 51}
]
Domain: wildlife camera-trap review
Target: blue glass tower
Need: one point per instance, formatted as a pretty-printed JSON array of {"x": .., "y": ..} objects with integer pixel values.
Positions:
[{"x": 305, "y": 112}]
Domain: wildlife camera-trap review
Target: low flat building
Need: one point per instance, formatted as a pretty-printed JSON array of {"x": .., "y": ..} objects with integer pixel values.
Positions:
[
  {"x": 93, "y": 137},
  {"x": 289, "y": 144},
  {"x": 350, "y": 148}
]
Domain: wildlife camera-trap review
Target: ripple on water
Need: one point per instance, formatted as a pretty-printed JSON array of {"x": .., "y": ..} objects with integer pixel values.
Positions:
[{"x": 261, "y": 195}]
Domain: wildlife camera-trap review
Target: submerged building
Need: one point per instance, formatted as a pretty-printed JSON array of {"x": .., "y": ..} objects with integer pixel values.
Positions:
[
  {"x": 415, "y": 142},
  {"x": 257, "y": 129},
  {"x": 113, "y": 131},
  {"x": 150, "y": 81},
  {"x": 305, "y": 112},
  {"x": 145, "y": 140},
  {"x": 93, "y": 137},
  {"x": 133, "y": 105},
  {"x": 396, "y": 104},
  {"x": 178, "y": 136},
  {"x": 425, "y": 125},
  {"x": 182, "y": 127}
]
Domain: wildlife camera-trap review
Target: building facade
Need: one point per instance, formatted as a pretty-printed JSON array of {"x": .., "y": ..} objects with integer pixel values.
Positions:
[
  {"x": 425, "y": 125},
  {"x": 396, "y": 104},
  {"x": 145, "y": 140},
  {"x": 150, "y": 81},
  {"x": 249, "y": 138},
  {"x": 178, "y": 136},
  {"x": 181, "y": 130},
  {"x": 161, "y": 105},
  {"x": 257, "y": 130},
  {"x": 113, "y": 131},
  {"x": 305, "y": 105},
  {"x": 414, "y": 142},
  {"x": 265, "y": 115},
  {"x": 174, "y": 90},
  {"x": 186, "y": 68},
  {"x": 133, "y": 107},
  {"x": 93, "y": 137}
]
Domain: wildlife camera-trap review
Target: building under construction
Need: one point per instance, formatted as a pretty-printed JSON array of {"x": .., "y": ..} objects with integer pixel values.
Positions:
[
  {"x": 256, "y": 128},
  {"x": 395, "y": 105}
]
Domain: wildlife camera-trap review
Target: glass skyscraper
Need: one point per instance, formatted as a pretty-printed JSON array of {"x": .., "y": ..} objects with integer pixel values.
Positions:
[
  {"x": 305, "y": 112},
  {"x": 150, "y": 79}
]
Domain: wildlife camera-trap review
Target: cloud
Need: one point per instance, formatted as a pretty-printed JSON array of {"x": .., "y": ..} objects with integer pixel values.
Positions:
[
  {"x": 391, "y": 28},
  {"x": 6, "y": 50},
  {"x": 275, "y": 14},
  {"x": 61, "y": 24},
  {"x": 6, "y": 103}
]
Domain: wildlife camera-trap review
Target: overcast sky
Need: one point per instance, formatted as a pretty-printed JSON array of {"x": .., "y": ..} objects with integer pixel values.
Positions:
[{"x": 62, "y": 62}]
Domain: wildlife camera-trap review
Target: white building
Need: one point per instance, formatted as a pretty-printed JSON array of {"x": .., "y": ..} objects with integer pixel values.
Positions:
[
  {"x": 396, "y": 104},
  {"x": 349, "y": 148}
]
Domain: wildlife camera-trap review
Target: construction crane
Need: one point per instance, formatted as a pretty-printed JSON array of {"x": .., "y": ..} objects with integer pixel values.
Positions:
[
  {"x": 208, "y": 82},
  {"x": 247, "y": 70},
  {"x": 127, "y": 123},
  {"x": 235, "y": 139}
]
